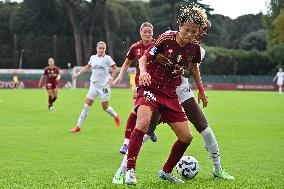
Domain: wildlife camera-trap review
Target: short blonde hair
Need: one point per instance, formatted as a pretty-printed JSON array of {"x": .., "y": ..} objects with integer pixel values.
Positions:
[
  {"x": 50, "y": 59},
  {"x": 101, "y": 43},
  {"x": 146, "y": 24}
]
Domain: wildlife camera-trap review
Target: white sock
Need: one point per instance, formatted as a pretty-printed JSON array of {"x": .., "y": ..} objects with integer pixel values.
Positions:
[
  {"x": 212, "y": 147},
  {"x": 126, "y": 141},
  {"x": 280, "y": 90},
  {"x": 111, "y": 111},
  {"x": 123, "y": 165},
  {"x": 83, "y": 115}
]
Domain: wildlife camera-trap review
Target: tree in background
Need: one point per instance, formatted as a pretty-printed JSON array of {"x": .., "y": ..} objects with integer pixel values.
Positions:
[
  {"x": 164, "y": 13},
  {"x": 36, "y": 26},
  {"x": 7, "y": 48},
  {"x": 44, "y": 29},
  {"x": 278, "y": 26},
  {"x": 274, "y": 7},
  {"x": 254, "y": 40},
  {"x": 81, "y": 15},
  {"x": 219, "y": 34},
  {"x": 241, "y": 26}
]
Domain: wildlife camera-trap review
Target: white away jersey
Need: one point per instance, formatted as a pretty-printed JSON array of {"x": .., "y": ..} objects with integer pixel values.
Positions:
[
  {"x": 100, "y": 69},
  {"x": 280, "y": 77}
]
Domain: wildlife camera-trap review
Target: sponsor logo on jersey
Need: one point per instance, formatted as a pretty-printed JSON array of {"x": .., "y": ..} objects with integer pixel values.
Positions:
[
  {"x": 153, "y": 50},
  {"x": 149, "y": 96}
]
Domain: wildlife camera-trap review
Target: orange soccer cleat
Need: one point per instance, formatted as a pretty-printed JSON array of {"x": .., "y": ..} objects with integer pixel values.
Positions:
[
  {"x": 75, "y": 130},
  {"x": 117, "y": 120}
]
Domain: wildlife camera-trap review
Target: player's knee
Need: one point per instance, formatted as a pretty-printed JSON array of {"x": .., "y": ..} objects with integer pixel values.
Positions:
[
  {"x": 104, "y": 108},
  {"x": 143, "y": 123},
  {"x": 187, "y": 138}
]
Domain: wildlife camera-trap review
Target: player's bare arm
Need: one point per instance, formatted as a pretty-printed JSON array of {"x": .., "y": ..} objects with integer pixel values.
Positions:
[
  {"x": 123, "y": 70},
  {"x": 58, "y": 77},
  {"x": 83, "y": 70},
  {"x": 197, "y": 78},
  {"x": 144, "y": 78},
  {"x": 113, "y": 74},
  {"x": 40, "y": 81}
]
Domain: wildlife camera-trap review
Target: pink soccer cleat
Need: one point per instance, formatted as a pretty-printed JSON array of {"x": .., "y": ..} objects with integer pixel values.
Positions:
[
  {"x": 75, "y": 130},
  {"x": 117, "y": 120}
]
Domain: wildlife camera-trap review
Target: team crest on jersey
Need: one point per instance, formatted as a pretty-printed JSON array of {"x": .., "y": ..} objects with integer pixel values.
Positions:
[
  {"x": 153, "y": 50},
  {"x": 179, "y": 57},
  {"x": 170, "y": 51},
  {"x": 138, "y": 52}
]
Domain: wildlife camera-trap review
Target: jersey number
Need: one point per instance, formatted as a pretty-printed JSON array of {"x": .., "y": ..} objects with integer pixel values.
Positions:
[{"x": 105, "y": 90}]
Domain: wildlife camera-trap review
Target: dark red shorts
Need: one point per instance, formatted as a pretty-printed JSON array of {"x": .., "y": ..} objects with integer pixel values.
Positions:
[
  {"x": 50, "y": 85},
  {"x": 169, "y": 107}
]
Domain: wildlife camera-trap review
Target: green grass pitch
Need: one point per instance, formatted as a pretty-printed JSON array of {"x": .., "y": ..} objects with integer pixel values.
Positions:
[{"x": 38, "y": 151}]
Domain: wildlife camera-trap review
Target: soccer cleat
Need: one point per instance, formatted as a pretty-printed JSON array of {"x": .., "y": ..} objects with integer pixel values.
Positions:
[
  {"x": 130, "y": 177},
  {"x": 123, "y": 149},
  {"x": 117, "y": 120},
  {"x": 170, "y": 177},
  {"x": 51, "y": 108},
  {"x": 153, "y": 137},
  {"x": 75, "y": 130},
  {"x": 223, "y": 174},
  {"x": 118, "y": 178}
]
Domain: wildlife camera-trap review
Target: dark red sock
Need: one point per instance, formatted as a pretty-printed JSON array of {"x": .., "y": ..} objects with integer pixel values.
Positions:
[
  {"x": 54, "y": 99},
  {"x": 131, "y": 122},
  {"x": 177, "y": 152},
  {"x": 50, "y": 100},
  {"x": 134, "y": 147}
]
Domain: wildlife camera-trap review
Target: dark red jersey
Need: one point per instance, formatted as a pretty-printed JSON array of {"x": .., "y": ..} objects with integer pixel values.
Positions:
[
  {"x": 136, "y": 51},
  {"x": 51, "y": 74},
  {"x": 163, "y": 80}
]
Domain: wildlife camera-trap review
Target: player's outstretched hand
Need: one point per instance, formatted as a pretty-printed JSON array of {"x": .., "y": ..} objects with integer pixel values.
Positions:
[
  {"x": 111, "y": 82},
  {"x": 117, "y": 80},
  {"x": 203, "y": 98},
  {"x": 144, "y": 79}
]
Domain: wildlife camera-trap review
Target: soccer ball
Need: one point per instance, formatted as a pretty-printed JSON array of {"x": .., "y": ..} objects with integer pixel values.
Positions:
[{"x": 187, "y": 167}]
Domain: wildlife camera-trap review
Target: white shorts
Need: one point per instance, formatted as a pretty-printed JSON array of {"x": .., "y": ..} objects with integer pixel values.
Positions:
[
  {"x": 94, "y": 91},
  {"x": 280, "y": 82},
  {"x": 184, "y": 93}
]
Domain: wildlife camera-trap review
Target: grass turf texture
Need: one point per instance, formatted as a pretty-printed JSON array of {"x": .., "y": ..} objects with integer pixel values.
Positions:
[{"x": 38, "y": 151}]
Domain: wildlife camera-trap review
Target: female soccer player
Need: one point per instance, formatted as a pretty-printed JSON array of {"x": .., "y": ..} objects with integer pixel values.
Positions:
[
  {"x": 52, "y": 74},
  {"x": 280, "y": 77},
  {"x": 135, "y": 52},
  {"x": 157, "y": 90},
  {"x": 194, "y": 112},
  {"x": 100, "y": 83}
]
